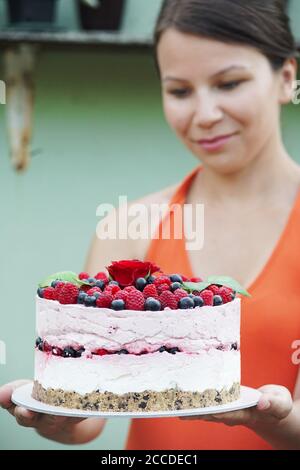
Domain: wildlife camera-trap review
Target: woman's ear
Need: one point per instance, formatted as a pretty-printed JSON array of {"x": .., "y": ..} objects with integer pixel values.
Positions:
[{"x": 288, "y": 75}]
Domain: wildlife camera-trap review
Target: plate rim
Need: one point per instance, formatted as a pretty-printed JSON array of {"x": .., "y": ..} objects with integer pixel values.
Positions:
[{"x": 23, "y": 392}]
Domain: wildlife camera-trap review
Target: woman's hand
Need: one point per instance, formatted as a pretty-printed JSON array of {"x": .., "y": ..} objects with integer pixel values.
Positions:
[
  {"x": 58, "y": 428},
  {"x": 274, "y": 405}
]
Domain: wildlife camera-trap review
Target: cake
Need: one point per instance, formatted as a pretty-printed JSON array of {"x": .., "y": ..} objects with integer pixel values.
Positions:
[{"x": 135, "y": 339}]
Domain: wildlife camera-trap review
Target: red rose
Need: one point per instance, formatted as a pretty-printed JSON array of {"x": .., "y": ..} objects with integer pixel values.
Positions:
[{"x": 126, "y": 272}]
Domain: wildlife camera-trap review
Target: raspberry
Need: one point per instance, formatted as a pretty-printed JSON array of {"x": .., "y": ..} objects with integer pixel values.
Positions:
[
  {"x": 135, "y": 300},
  {"x": 163, "y": 287},
  {"x": 122, "y": 295},
  {"x": 215, "y": 289},
  {"x": 104, "y": 300},
  {"x": 68, "y": 294},
  {"x": 226, "y": 294},
  {"x": 101, "y": 352},
  {"x": 112, "y": 289},
  {"x": 92, "y": 290},
  {"x": 85, "y": 288},
  {"x": 129, "y": 289},
  {"x": 101, "y": 276},
  {"x": 184, "y": 278},
  {"x": 168, "y": 299},
  {"x": 49, "y": 293},
  {"x": 150, "y": 291},
  {"x": 180, "y": 293},
  {"x": 208, "y": 297},
  {"x": 196, "y": 279},
  {"x": 162, "y": 280},
  {"x": 83, "y": 275}
]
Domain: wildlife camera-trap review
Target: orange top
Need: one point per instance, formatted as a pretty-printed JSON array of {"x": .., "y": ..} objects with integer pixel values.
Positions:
[{"x": 270, "y": 324}]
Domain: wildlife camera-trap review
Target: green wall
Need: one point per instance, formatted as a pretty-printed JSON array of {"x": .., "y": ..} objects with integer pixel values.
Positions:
[{"x": 99, "y": 131}]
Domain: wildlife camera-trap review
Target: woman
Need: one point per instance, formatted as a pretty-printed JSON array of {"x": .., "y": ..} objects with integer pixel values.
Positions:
[{"x": 224, "y": 81}]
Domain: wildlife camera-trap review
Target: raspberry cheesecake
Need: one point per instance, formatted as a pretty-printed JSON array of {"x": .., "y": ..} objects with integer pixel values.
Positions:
[{"x": 136, "y": 339}]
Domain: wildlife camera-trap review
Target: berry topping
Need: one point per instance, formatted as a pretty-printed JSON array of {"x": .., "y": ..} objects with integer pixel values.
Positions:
[
  {"x": 150, "y": 291},
  {"x": 168, "y": 299},
  {"x": 140, "y": 283},
  {"x": 176, "y": 278},
  {"x": 207, "y": 296},
  {"x": 180, "y": 294},
  {"x": 175, "y": 285},
  {"x": 152, "y": 304},
  {"x": 217, "y": 300},
  {"x": 118, "y": 304},
  {"x": 67, "y": 294},
  {"x": 40, "y": 292},
  {"x": 226, "y": 294},
  {"x": 135, "y": 300},
  {"x": 198, "y": 301},
  {"x": 90, "y": 301},
  {"x": 83, "y": 275},
  {"x": 186, "y": 302},
  {"x": 104, "y": 300}
]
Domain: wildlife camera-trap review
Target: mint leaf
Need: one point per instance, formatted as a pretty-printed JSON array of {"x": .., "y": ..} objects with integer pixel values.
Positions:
[
  {"x": 67, "y": 276},
  {"x": 228, "y": 282},
  {"x": 221, "y": 280},
  {"x": 198, "y": 286}
]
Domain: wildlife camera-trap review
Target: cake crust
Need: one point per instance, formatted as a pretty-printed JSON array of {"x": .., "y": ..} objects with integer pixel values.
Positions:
[{"x": 136, "y": 401}]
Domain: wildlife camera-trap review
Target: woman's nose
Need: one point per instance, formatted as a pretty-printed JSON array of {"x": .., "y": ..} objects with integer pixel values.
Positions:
[{"x": 207, "y": 111}]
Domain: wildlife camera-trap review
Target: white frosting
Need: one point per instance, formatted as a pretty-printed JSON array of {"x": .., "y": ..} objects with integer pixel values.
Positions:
[
  {"x": 197, "y": 332},
  {"x": 128, "y": 373},
  {"x": 193, "y": 330}
]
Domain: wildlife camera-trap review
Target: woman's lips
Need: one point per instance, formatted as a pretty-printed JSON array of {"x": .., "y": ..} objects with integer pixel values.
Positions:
[{"x": 215, "y": 144}]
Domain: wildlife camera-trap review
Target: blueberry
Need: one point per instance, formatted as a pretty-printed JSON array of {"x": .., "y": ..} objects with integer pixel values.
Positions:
[
  {"x": 69, "y": 352},
  {"x": 233, "y": 294},
  {"x": 140, "y": 283},
  {"x": 79, "y": 352},
  {"x": 90, "y": 301},
  {"x": 118, "y": 304},
  {"x": 96, "y": 294},
  {"x": 81, "y": 297},
  {"x": 113, "y": 283},
  {"x": 176, "y": 278},
  {"x": 198, "y": 301},
  {"x": 186, "y": 302},
  {"x": 38, "y": 341},
  {"x": 123, "y": 351},
  {"x": 152, "y": 304},
  {"x": 100, "y": 284},
  {"x": 40, "y": 292},
  {"x": 92, "y": 281},
  {"x": 217, "y": 300},
  {"x": 162, "y": 349},
  {"x": 150, "y": 279},
  {"x": 54, "y": 283},
  {"x": 41, "y": 346},
  {"x": 234, "y": 346},
  {"x": 175, "y": 285},
  {"x": 173, "y": 350}
]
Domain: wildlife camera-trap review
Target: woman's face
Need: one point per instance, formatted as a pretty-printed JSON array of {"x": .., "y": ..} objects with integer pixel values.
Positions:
[{"x": 222, "y": 100}]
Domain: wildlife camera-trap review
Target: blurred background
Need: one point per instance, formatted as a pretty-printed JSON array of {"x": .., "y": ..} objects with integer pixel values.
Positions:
[{"x": 98, "y": 131}]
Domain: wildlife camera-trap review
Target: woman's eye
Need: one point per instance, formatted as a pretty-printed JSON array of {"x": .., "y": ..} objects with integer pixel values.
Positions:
[
  {"x": 179, "y": 93},
  {"x": 230, "y": 85}
]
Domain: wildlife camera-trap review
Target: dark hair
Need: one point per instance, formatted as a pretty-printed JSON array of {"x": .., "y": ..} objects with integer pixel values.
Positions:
[{"x": 263, "y": 24}]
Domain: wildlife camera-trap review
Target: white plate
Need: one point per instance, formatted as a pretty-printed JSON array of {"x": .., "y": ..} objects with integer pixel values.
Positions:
[{"x": 22, "y": 397}]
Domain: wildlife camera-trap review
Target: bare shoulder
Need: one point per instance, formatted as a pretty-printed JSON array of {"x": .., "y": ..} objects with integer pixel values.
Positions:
[{"x": 103, "y": 251}]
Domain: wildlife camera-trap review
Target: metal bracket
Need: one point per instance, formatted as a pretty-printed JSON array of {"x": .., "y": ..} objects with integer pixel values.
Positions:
[{"x": 19, "y": 66}]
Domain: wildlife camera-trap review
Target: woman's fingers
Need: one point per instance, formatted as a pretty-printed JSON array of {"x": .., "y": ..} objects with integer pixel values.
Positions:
[{"x": 6, "y": 392}]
